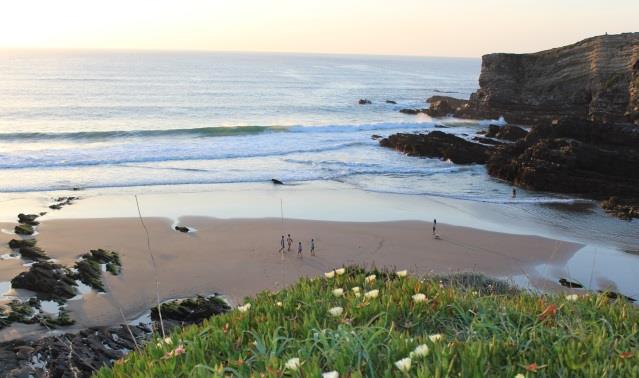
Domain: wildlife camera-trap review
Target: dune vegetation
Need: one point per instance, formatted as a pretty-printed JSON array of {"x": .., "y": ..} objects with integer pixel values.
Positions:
[{"x": 356, "y": 323}]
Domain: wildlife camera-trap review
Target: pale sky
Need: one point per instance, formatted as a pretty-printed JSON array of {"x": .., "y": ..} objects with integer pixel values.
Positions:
[{"x": 405, "y": 27}]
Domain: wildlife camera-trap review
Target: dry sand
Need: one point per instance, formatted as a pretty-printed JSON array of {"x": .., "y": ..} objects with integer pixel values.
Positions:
[{"x": 240, "y": 257}]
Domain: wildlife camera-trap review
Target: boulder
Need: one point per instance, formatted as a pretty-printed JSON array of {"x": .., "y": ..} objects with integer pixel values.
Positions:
[
  {"x": 48, "y": 280},
  {"x": 192, "y": 310},
  {"x": 23, "y": 229},
  {"x": 182, "y": 229},
  {"x": 34, "y": 253},
  {"x": 507, "y": 132},
  {"x": 391, "y": 102},
  {"x": 29, "y": 219},
  {"x": 19, "y": 243},
  {"x": 363, "y": 101},
  {"x": 443, "y": 106},
  {"x": 277, "y": 182},
  {"x": 438, "y": 144},
  {"x": 410, "y": 111}
]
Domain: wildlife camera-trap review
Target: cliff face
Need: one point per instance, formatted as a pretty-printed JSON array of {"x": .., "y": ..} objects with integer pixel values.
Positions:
[{"x": 596, "y": 79}]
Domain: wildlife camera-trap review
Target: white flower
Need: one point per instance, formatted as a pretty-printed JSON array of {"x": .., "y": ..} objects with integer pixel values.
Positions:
[
  {"x": 244, "y": 308},
  {"x": 356, "y": 289},
  {"x": 336, "y": 311},
  {"x": 475, "y": 293},
  {"x": 420, "y": 351},
  {"x": 278, "y": 304},
  {"x": 340, "y": 271},
  {"x": 357, "y": 294},
  {"x": 338, "y": 292},
  {"x": 166, "y": 340},
  {"x": 371, "y": 278},
  {"x": 402, "y": 273},
  {"x": 403, "y": 365},
  {"x": 372, "y": 294},
  {"x": 436, "y": 337},
  {"x": 419, "y": 297},
  {"x": 572, "y": 297},
  {"x": 330, "y": 274},
  {"x": 520, "y": 376},
  {"x": 330, "y": 374},
  {"x": 293, "y": 364}
]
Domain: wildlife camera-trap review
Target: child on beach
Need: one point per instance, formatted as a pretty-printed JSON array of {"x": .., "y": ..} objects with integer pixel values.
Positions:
[
  {"x": 299, "y": 249},
  {"x": 282, "y": 244},
  {"x": 434, "y": 226},
  {"x": 312, "y": 247},
  {"x": 290, "y": 242}
]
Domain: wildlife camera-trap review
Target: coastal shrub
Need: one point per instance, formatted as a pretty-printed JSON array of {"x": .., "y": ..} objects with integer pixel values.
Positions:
[{"x": 385, "y": 324}]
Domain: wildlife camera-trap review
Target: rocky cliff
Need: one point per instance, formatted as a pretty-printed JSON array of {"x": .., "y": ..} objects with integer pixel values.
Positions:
[{"x": 596, "y": 79}]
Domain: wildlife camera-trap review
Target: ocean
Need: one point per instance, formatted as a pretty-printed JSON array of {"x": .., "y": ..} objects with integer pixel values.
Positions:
[{"x": 94, "y": 119}]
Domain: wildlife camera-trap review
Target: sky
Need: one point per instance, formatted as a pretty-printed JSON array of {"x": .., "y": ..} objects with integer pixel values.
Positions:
[{"x": 468, "y": 28}]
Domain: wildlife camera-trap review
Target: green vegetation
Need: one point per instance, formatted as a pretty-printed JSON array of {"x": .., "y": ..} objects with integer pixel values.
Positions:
[{"x": 464, "y": 325}]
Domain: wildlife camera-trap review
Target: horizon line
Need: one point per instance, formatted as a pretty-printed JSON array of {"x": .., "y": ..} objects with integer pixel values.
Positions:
[{"x": 177, "y": 50}]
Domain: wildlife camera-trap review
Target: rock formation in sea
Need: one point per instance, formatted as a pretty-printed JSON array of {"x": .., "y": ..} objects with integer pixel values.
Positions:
[
  {"x": 582, "y": 102},
  {"x": 595, "y": 79}
]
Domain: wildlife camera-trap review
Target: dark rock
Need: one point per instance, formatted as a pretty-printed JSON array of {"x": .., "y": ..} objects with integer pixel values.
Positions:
[
  {"x": 622, "y": 208},
  {"x": 60, "y": 202},
  {"x": 615, "y": 295},
  {"x": 277, "y": 182},
  {"x": 48, "y": 280},
  {"x": 442, "y": 106},
  {"x": 19, "y": 243},
  {"x": 89, "y": 269},
  {"x": 29, "y": 219},
  {"x": 595, "y": 79},
  {"x": 574, "y": 285},
  {"x": 437, "y": 144},
  {"x": 412, "y": 111},
  {"x": 507, "y": 132},
  {"x": 391, "y": 102},
  {"x": 439, "y": 126},
  {"x": 23, "y": 229},
  {"x": 34, "y": 253},
  {"x": 182, "y": 229},
  {"x": 192, "y": 310},
  {"x": 363, "y": 101},
  {"x": 575, "y": 157},
  {"x": 376, "y": 137}
]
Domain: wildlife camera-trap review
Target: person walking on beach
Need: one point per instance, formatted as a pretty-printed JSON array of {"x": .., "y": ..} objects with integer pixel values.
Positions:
[
  {"x": 514, "y": 192},
  {"x": 312, "y": 247},
  {"x": 290, "y": 242},
  {"x": 282, "y": 244},
  {"x": 434, "y": 226},
  {"x": 299, "y": 249}
]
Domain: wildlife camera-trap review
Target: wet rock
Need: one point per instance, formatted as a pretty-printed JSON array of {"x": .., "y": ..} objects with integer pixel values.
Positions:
[
  {"x": 19, "y": 243},
  {"x": 192, "y": 310},
  {"x": 277, "y": 182},
  {"x": 623, "y": 208},
  {"x": 566, "y": 283},
  {"x": 34, "y": 253},
  {"x": 391, "y": 102},
  {"x": 48, "y": 280},
  {"x": 89, "y": 267},
  {"x": 412, "y": 111},
  {"x": 444, "y": 106},
  {"x": 60, "y": 202},
  {"x": 438, "y": 144},
  {"x": 29, "y": 219},
  {"x": 507, "y": 132},
  {"x": 575, "y": 157},
  {"x": 376, "y": 137},
  {"x": 182, "y": 229},
  {"x": 615, "y": 295},
  {"x": 363, "y": 101},
  {"x": 23, "y": 229}
]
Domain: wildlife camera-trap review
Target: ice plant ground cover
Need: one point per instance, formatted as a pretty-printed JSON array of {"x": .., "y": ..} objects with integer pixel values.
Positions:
[{"x": 487, "y": 329}]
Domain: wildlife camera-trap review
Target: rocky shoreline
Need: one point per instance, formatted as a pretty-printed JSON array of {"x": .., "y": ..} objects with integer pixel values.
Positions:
[{"x": 582, "y": 102}]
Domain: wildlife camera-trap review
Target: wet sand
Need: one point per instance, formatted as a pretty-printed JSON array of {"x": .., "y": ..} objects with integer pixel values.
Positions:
[{"x": 240, "y": 257}]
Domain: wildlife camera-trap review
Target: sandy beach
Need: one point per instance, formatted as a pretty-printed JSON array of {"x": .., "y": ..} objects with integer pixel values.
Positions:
[{"x": 240, "y": 257}]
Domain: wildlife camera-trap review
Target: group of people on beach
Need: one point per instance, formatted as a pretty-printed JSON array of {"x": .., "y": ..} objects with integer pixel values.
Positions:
[{"x": 289, "y": 241}]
